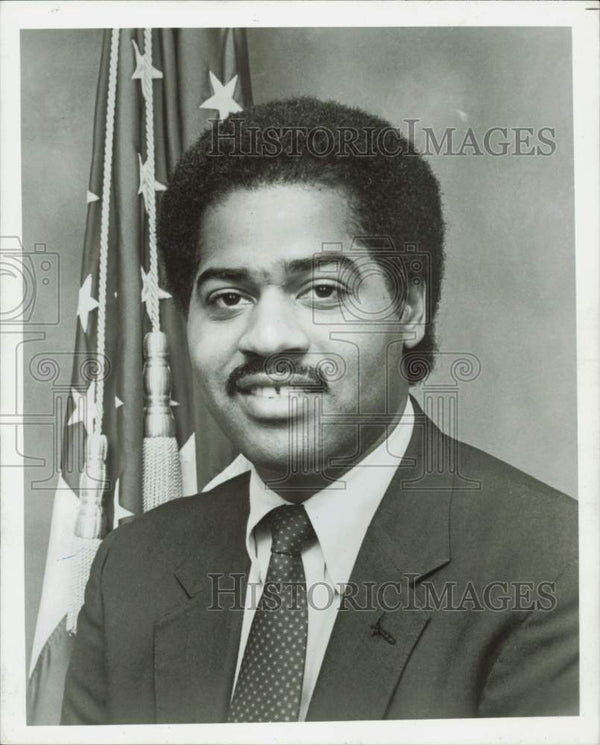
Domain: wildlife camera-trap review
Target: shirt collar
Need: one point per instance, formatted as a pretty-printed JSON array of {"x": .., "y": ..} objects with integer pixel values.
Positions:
[{"x": 341, "y": 512}]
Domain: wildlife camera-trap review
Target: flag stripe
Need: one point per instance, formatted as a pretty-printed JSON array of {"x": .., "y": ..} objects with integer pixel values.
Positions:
[
  {"x": 55, "y": 591},
  {"x": 45, "y": 686}
]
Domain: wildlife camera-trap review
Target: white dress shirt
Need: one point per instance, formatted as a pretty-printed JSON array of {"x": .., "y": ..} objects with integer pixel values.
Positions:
[{"x": 340, "y": 515}]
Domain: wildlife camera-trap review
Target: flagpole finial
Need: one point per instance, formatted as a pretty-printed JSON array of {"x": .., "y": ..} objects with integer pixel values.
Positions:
[
  {"x": 162, "y": 470},
  {"x": 92, "y": 484},
  {"x": 158, "y": 418}
]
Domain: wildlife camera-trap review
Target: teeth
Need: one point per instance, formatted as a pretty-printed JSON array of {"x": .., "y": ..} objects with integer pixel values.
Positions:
[
  {"x": 274, "y": 391},
  {"x": 266, "y": 391}
]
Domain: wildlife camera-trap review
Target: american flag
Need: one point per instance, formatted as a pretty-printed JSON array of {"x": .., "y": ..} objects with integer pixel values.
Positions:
[{"x": 191, "y": 76}]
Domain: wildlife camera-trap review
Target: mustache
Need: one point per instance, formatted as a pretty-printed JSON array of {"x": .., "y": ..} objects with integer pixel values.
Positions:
[{"x": 280, "y": 369}]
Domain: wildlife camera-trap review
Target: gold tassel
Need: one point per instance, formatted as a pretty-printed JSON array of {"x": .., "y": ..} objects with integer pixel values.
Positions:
[{"x": 162, "y": 469}]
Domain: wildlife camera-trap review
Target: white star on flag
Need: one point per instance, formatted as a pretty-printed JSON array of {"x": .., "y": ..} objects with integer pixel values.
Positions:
[
  {"x": 222, "y": 98},
  {"x": 144, "y": 70},
  {"x": 146, "y": 181},
  {"x": 85, "y": 407},
  {"x": 86, "y": 302},
  {"x": 162, "y": 294},
  {"x": 119, "y": 511},
  {"x": 91, "y": 197}
]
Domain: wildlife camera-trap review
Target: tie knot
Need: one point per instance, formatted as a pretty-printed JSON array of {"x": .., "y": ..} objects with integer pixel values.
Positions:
[{"x": 291, "y": 529}]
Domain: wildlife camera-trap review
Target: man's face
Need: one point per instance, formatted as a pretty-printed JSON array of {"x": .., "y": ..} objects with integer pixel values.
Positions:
[{"x": 274, "y": 331}]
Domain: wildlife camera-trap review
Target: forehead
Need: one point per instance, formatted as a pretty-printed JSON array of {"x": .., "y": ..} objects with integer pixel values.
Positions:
[{"x": 265, "y": 226}]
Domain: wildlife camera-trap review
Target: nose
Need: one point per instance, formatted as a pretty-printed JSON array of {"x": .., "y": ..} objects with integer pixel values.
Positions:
[{"x": 273, "y": 327}]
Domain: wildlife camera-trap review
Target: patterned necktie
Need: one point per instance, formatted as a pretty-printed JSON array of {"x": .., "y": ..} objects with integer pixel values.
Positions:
[{"x": 269, "y": 685}]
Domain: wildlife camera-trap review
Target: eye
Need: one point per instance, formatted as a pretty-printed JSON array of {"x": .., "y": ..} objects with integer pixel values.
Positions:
[
  {"x": 324, "y": 294},
  {"x": 227, "y": 299},
  {"x": 325, "y": 291}
]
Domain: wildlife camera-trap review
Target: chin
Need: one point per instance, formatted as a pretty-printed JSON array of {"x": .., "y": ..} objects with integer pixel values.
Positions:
[
  {"x": 268, "y": 456},
  {"x": 280, "y": 447}
]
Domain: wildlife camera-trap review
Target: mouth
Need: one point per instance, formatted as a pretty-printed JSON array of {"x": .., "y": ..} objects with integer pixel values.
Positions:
[
  {"x": 272, "y": 385},
  {"x": 264, "y": 400},
  {"x": 279, "y": 391}
]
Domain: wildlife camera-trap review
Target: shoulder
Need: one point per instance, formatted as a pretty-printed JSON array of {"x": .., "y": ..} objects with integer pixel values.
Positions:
[
  {"x": 511, "y": 517},
  {"x": 481, "y": 477},
  {"x": 170, "y": 529}
]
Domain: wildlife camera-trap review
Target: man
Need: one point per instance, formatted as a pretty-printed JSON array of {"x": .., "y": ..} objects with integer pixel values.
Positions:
[{"x": 428, "y": 578}]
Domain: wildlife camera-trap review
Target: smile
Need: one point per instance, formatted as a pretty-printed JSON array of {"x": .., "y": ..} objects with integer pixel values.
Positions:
[
  {"x": 268, "y": 392},
  {"x": 271, "y": 386},
  {"x": 279, "y": 391},
  {"x": 277, "y": 403}
]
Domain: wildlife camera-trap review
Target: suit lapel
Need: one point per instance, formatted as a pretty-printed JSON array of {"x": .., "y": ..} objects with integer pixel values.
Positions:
[
  {"x": 195, "y": 647},
  {"x": 407, "y": 539}
]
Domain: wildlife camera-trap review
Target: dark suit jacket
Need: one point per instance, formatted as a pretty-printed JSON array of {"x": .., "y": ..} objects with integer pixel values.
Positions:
[{"x": 149, "y": 649}]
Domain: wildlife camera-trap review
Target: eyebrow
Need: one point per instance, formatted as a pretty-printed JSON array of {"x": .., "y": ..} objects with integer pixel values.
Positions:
[
  {"x": 227, "y": 275},
  {"x": 295, "y": 266}
]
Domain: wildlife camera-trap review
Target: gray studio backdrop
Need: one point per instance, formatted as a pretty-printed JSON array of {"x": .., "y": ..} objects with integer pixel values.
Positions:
[{"x": 509, "y": 293}]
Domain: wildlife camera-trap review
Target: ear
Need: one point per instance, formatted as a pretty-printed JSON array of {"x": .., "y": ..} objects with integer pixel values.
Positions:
[{"x": 414, "y": 315}]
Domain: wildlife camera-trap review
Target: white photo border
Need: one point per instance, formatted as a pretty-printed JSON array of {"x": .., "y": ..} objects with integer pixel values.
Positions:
[{"x": 583, "y": 19}]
